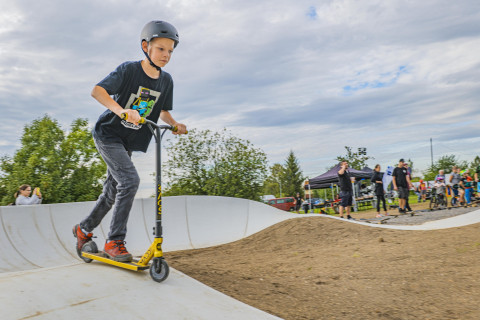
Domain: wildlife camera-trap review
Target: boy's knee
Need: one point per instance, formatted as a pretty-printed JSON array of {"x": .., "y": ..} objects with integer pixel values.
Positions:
[{"x": 134, "y": 182}]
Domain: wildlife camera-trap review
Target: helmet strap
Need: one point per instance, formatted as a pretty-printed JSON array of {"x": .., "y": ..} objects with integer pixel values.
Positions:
[{"x": 151, "y": 62}]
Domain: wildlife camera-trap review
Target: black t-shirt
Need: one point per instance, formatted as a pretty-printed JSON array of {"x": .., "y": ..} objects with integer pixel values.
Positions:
[
  {"x": 132, "y": 88},
  {"x": 344, "y": 181},
  {"x": 378, "y": 176},
  {"x": 299, "y": 201},
  {"x": 400, "y": 175}
]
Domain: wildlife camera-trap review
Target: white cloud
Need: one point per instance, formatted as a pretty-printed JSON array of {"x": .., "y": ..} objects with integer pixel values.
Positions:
[{"x": 301, "y": 76}]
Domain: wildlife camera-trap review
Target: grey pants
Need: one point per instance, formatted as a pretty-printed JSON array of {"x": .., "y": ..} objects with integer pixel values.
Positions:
[{"x": 120, "y": 188}]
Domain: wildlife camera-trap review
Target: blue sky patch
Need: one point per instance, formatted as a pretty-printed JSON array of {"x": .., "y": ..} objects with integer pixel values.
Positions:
[
  {"x": 386, "y": 80},
  {"x": 312, "y": 13}
]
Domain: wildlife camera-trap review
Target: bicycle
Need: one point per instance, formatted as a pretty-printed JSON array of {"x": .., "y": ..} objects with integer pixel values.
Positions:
[{"x": 437, "y": 200}]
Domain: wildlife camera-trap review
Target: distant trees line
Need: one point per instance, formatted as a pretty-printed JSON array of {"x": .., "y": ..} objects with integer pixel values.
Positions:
[{"x": 67, "y": 167}]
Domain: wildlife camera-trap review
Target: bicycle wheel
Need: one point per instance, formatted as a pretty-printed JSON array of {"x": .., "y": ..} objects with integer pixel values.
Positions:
[{"x": 433, "y": 202}]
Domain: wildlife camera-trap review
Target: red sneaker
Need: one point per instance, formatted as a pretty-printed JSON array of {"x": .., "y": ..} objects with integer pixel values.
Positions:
[
  {"x": 115, "y": 250},
  {"x": 82, "y": 238}
]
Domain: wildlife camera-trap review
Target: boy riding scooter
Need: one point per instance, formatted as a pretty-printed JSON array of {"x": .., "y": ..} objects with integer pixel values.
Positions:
[{"x": 136, "y": 86}]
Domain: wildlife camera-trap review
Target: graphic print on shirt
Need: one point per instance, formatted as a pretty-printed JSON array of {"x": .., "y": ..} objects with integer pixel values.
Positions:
[{"x": 143, "y": 102}]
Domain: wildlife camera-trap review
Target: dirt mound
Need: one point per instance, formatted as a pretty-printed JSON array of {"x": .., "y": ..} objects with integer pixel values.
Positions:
[{"x": 314, "y": 268}]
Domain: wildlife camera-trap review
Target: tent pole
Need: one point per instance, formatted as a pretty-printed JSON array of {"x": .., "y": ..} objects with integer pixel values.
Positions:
[
  {"x": 310, "y": 194},
  {"x": 355, "y": 208}
]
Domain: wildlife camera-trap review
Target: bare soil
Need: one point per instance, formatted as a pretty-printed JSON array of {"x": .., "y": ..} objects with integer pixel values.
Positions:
[{"x": 317, "y": 268}]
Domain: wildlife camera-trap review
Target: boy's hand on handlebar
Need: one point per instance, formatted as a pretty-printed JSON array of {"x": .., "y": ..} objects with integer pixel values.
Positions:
[
  {"x": 181, "y": 128},
  {"x": 132, "y": 116}
]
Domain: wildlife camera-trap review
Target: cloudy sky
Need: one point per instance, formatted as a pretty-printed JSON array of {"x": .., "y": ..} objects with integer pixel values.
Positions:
[{"x": 307, "y": 76}]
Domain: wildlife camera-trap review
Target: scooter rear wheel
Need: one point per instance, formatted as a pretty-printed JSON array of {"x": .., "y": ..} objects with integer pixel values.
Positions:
[
  {"x": 90, "y": 247},
  {"x": 159, "y": 269}
]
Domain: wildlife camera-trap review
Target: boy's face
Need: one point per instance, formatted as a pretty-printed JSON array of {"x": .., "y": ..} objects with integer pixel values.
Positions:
[{"x": 160, "y": 50}]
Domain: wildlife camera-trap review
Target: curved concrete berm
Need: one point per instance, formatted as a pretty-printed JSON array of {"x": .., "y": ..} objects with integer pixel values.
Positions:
[{"x": 41, "y": 276}]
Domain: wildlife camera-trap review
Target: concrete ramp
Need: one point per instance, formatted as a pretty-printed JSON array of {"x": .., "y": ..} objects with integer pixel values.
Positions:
[
  {"x": 41, "y": 236},
  {"x": 41, "y": 276}
]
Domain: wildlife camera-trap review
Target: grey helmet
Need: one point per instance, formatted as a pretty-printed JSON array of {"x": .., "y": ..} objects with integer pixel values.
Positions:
[{"x": 158, "y": 29}]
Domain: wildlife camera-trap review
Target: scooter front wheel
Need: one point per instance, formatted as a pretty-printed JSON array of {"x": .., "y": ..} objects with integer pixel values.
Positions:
[
  {"x": 159, "y": 269},
  {"x": 90, "y": 247}
]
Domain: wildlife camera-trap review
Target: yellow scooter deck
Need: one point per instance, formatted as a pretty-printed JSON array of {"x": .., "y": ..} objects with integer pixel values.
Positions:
[{"x": 100, "y": 256}]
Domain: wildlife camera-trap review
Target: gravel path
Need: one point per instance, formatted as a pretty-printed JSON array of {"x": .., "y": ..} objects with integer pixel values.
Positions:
[{"x": 421, "y": 216}]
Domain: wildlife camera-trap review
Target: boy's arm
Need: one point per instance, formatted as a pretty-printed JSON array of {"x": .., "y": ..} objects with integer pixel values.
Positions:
[
  {"x": 168, "y": 119},
  {"x": 102, "y": 96}
]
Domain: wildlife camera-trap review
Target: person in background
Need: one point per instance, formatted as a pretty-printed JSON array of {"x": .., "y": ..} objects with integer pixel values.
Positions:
[
  {"x": 401, "y": 183},
  {"x": 22, "y": 196},
  {"x": 441, "y": 173},
  {"x": 422, "y": 188},
  {"x": 477, "y": 173},
  {"x": 298, "y": 202},
  {"x": 455, "y": 178},
  {"x": 466, "y": 183},
  {"x": 409, "y": 174},
  {"x": 377, "y": 178},
  {"x": 440, "y": 188},
  {"x": 346, "y": 190}
]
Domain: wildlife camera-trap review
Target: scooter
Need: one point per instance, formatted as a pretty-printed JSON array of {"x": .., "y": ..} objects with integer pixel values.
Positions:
[{"x": 159, "y": 269}]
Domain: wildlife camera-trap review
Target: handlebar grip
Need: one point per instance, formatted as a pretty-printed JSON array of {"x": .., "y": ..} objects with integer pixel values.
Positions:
[
  {"x": 175, "y": 129},
  {"x": 125, "y": 117}
]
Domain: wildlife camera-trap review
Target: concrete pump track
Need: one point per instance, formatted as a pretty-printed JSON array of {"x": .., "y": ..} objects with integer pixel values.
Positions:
[{"x": 41, "y": 276}]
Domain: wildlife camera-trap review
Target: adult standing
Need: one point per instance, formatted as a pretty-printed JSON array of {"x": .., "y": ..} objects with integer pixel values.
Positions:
[
  {"x": 409, "y": 175},
  {"x": 401, "y": 183},
  {"x": 441, "y": 173},
  {"x": 346, "y": 190},
  {"x": 455, "y": 179},
  {"x": 23, "y": 195},
  {"x": 377, "y": 178},
  {"x": 298, "y": 202}
]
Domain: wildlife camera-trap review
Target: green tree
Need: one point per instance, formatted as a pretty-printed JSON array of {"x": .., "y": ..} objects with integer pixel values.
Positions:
[
  {"x": 356, "y": 160},
  {"x": 66, "y": 166},
  {"x": 214, "y": 163},
  {"x": 83, "y": 169},
  {"x": 444, "y": 163},
  {"x": 293, "y": 177},
  {"x": 273, "y": 183},
  {"x": 474, "y": 165}
]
